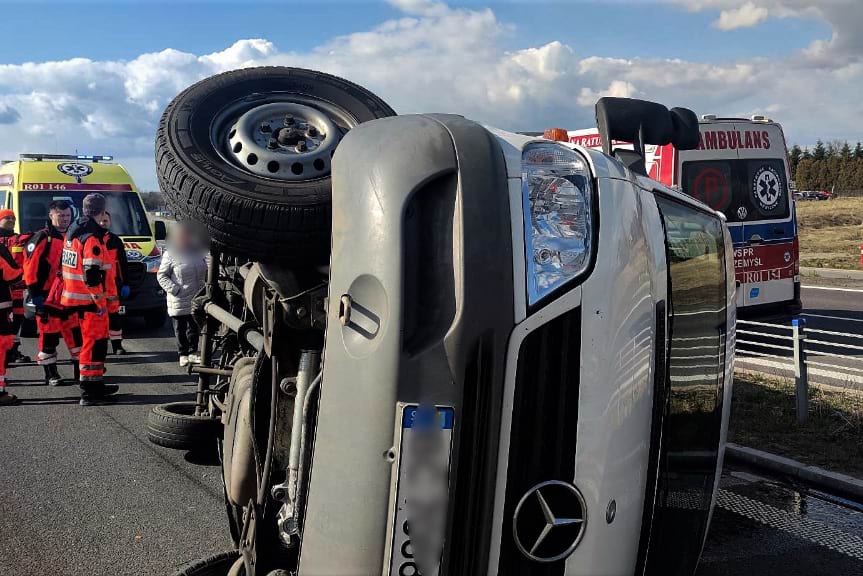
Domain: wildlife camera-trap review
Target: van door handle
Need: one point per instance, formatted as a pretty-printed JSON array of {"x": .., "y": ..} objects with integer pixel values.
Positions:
[{"x": 756, "y": 239}]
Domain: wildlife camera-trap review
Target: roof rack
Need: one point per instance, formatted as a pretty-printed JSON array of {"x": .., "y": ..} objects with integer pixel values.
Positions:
[{"x": 78, "y": 157}]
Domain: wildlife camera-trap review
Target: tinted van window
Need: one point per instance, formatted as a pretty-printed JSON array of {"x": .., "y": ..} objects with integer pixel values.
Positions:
[
  {"x": 743, "y": 190},
  {"x": 697, "y": 326}
]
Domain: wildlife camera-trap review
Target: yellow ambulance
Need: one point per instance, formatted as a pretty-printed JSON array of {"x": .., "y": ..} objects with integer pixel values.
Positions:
[{"x": 28, "y": 185}]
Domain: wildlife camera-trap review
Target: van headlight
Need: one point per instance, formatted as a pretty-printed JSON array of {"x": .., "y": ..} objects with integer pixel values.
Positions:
[{"x": 558, "y": 202}]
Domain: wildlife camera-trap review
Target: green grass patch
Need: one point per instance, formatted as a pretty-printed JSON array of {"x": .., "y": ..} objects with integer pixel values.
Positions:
[
  {"x": 764, "y": 416},
  {"x": 831, "y": 233}
]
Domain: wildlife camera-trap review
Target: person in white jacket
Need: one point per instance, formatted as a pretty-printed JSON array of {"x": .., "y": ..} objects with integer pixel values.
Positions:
[{"x": 182, "y": 274}]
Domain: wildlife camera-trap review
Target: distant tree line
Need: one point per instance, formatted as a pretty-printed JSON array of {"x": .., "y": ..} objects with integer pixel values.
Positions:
[{"x": 832, "y": 166}]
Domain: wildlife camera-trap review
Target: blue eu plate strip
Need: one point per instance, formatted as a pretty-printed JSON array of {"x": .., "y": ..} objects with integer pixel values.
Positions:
[{"x": 412, "y": 417}]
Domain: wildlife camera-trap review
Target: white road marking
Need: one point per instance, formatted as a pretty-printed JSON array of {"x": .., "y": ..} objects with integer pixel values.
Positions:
[
  {"x": 801, "y": 527},
  {"x": 831, "y": 317},
  {"x": 807, "y": 287}
]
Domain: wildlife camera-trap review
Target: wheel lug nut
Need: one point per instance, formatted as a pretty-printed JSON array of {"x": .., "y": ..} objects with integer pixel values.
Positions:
[
  {"x": 301, "y": 146},
  {"x": 313, "y": 131},
  {"x": 289, "y": 120},
  {"x": 266, "y": 128},
  {"x": 273, "y": 144}
]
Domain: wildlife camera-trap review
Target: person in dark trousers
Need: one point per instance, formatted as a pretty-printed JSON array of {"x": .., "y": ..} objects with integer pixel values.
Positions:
[
  {"x": 116, "y": 274},
  {"x": 84, "y": 265},
  {"x": 182, "y": 274},
  {"x": 16, "y": 244},
  {"x": 42, "y": 277},
  {"x": 10, "y": 273}
]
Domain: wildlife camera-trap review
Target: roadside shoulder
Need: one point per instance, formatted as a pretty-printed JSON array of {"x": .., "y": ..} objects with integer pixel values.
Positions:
[
  {"x": 831, "y": 482},
  {"x": 831, "y": 277}
]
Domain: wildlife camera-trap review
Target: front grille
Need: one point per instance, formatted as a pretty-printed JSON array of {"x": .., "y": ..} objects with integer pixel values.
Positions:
[
  {"x": 136, "y": 272},
  {"x": 544, "y": 421}
]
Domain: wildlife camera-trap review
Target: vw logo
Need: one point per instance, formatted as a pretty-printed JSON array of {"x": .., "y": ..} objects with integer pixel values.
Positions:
[{"x": 549, "y": 521}]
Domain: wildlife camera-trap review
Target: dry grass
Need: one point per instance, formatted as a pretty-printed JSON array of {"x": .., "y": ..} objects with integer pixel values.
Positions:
[
  {"x": 763, "y": 416},
  {"x": 831, "y": 233}
]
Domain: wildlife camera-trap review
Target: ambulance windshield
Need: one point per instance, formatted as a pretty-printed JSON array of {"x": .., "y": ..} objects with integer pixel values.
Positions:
[
  {"x": 128, "y": 217},
  {"x": 744, "y": 190}
]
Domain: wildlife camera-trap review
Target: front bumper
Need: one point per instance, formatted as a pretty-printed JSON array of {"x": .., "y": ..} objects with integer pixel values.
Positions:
[{"x": 145, "y": 297}]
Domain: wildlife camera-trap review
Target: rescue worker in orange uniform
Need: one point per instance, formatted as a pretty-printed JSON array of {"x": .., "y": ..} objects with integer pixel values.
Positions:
[
  {"x": 10, "y": 273},
  {"x": 42, "y": 277},
  {"x": 116, "y": 275},
  {"x": 84, "y": 266},
  {"x": 15, "y": 243}
]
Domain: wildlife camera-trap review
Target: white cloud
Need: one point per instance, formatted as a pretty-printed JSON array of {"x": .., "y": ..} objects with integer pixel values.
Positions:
[
  {"x": 617, "y": 89},
  {"x": 745, "y": 16},
  {"x": 440, "y": 59},
  {"x": 845, "y": 17}
]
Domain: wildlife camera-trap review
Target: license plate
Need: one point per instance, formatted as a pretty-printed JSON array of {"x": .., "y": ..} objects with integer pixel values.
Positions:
[
  {"x": 425, "y": 446},
  {"x": 122, "y": 310}
]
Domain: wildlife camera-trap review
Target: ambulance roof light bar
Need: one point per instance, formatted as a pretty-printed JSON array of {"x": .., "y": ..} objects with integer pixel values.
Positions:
[
  {"x": 79, "y": 157},
  {"x": 753, "y": 118}
]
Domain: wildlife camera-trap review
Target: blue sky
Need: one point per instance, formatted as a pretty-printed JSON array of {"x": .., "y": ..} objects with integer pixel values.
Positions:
[
  {"x": 95, "y": 76},
  {"x": 125, "y": 29}
]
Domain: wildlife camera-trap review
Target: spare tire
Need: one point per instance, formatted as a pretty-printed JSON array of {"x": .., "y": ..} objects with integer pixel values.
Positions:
[
  {"x": 174, "y": 425},
  {"x": 216, "y": 565},
  {"x": 247, "y": 154}
]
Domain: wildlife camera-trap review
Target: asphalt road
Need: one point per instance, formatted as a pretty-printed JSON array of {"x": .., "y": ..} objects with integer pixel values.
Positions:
[
  {"x": 82, "y": 490},
  {"x": 767, "y": 527},
  {"x": 85, "y": 494}
]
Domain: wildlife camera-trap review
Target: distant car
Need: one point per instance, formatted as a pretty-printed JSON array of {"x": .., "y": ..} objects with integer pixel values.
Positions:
[{"x": 814, "y": 195}]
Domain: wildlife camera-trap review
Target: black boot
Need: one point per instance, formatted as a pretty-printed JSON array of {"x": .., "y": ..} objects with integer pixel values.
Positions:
[
  {"x": 76, "y": 371},
  {"x": 14, "y": 356},
  {"x": 96, "y": 394},
  {"x": 52, "y": 376},
  {"x": 109, "y": 389},
  {"x": 117, "y": 346}
]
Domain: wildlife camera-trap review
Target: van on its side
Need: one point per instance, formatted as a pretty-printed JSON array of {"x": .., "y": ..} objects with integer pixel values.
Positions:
[{"x": 28, "y": 185}]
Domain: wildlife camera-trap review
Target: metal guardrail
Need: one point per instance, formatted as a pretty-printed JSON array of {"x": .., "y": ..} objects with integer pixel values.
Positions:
[{"x": 799, "y": 348}]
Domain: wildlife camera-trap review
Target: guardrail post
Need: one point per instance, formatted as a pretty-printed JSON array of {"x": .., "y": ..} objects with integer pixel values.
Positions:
[{"x": 801, "y": 372}]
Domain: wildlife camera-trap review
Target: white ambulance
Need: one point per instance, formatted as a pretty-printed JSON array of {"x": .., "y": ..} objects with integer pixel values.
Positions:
[{"x": 740, "y": 169}]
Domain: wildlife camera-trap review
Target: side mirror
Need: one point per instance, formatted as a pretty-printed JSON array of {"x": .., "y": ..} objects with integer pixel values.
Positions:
[
  {"x": 643, "y": 123},
  {"x": 161, "y": 230}
]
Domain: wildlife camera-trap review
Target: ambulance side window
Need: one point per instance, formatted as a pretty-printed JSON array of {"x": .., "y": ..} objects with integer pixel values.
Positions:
[{"x": 3, "y": 198}]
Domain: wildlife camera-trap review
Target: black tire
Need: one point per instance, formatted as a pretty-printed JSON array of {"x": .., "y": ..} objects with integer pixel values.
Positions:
[
  {"x": 175, "y": 425},
  {"x": 155, "y": 319},
  {"x": 215, "y": 565},
  {"x": 264, "y": 219}
]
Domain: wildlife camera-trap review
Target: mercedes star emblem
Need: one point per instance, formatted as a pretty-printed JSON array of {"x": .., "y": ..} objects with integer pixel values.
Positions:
[{"x": 549, "y": 521}]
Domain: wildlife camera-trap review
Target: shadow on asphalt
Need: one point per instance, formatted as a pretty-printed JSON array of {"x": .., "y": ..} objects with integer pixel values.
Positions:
[
  {"x": 147, "y": 379},
  {"x": 208, "y": 457},
  {"x": 125, "y": 399}
]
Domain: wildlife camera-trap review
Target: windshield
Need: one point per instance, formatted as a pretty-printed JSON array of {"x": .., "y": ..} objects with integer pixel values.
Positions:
[
  {"x": 744, "y": 190},
  {"x": 127, "y": 214}
]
